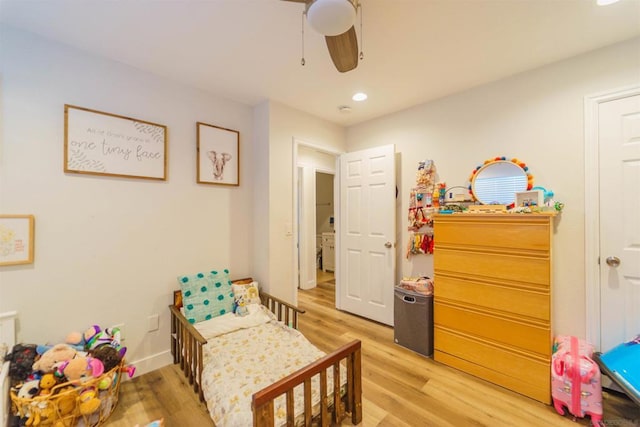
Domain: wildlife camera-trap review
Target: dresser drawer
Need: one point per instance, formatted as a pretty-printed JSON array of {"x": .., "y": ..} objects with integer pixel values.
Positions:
[
  {"x": 517, "y": 299},
  {"x": 514, "y": 370},
  {"x": 499, "y": 330},
  {"x": 503, "y": 266},
  {"x": 505, "y": 232}
]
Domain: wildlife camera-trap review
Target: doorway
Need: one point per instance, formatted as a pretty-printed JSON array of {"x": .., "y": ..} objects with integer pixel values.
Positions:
[
  {"x": 314, "y": 202},
  {"x": 612, "y": 129},
  {"x": 364, "y": 205}
]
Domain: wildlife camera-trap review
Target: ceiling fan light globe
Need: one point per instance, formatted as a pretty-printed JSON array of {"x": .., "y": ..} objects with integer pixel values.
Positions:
[{"x": 331, "y": 17}]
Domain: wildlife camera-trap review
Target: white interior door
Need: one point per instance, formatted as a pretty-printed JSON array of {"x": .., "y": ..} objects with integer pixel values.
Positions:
[
  {"x": 366, "y": 233},
  {"x": 619, "y": 182}
]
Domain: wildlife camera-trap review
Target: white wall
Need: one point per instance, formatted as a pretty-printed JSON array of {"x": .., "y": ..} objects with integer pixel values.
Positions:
[
  {"x": 535, "y": 116},
  {"x": 107, "y": 249}
]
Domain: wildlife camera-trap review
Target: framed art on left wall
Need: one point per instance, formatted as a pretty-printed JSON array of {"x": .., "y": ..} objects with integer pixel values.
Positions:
[{"x": 16, "y": 239}]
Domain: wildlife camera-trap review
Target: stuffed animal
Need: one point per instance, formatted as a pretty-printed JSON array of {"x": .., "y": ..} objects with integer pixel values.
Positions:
[
  {"x": 81, "y": 369},
  {"x": 110, "y": 336},
  {"x": 90, "y": 333},
  {"x": 21, "y": 361},
  {"x": 75, "y": 340},
  {"x": 88, "y": 402},
  {"x": 29, "y": 409},
  {"x": 66, "y": 400},
  {"x": 109, "y": 356},
  {"x": 47, "y": 382},
  {"x": 105, "y": 381},
  {"x": 29, "y": 389},
  {"x": 56, "y": 355},
  {"x": 241, "y": 307}
]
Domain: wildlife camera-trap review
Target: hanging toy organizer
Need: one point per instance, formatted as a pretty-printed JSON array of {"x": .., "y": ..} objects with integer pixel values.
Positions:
[
  {"x": 424, "y": 201},
  {"x": 420, "y": 243}
]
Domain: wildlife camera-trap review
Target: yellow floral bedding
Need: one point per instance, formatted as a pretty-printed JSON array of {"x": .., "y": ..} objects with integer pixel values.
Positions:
[{"x": 242, "y": 362}]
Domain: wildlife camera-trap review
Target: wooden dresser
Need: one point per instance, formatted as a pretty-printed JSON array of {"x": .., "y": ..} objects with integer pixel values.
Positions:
[{"x": 492, "y": 299}]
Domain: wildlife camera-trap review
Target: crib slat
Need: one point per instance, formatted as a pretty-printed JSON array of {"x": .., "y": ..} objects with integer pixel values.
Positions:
[
  {"x": 188, "y": 364},
  {"x": 291, "y": 415},
  {"x": 324, "y": 407},
  {"x": 350, "y": 389},
  {"x": 338, "y": 414},
  {"x": 199, "y": 373},
  {"x": 355, "y": 360},
  {"x": 174, "y": 337},
  {"x": 307, "y": 402}
]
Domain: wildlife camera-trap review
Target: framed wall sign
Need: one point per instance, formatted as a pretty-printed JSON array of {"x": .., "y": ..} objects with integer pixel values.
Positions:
[
  {"x": 218, "y": 159},
  {"x": 101, "y": 143},
  {"x": 16, "y": 239}
]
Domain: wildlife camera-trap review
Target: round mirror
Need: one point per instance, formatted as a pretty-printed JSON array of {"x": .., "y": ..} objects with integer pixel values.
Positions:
[{"x": 497, "y": 181}]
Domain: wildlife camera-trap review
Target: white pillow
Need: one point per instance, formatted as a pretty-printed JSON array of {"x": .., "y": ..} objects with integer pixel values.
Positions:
[{"x": 248, "y": 291}]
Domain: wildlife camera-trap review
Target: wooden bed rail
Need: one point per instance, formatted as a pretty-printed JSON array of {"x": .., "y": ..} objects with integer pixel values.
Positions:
[
  {"x": 284, "y": 311},
  {"x": 186, "y": 348},
  {"x": 263, "y": 401}
]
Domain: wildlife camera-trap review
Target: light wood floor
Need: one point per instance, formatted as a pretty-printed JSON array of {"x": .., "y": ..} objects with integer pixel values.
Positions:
[{"x": 400, "y": 387}]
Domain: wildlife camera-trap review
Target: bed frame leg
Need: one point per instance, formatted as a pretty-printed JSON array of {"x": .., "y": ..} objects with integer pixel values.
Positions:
[{"x": 264, "y": 415}]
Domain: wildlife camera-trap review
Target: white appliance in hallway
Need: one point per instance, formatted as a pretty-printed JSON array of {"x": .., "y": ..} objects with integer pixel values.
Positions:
[{"x": 328, "y": 251}]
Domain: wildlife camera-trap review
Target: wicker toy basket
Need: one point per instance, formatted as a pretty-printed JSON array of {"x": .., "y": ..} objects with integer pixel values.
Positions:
[{"x": 70, "y": 405}]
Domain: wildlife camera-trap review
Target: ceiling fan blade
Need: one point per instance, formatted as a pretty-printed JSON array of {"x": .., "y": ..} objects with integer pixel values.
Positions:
[{"x": 343, "y": 49}]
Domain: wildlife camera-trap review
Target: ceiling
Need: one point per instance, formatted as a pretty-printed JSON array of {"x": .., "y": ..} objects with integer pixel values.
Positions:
[{"x": 250, "y": 50}]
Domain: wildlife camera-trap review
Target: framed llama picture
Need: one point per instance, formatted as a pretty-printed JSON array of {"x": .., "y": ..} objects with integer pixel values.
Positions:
[{"x": 218, "y": 159}]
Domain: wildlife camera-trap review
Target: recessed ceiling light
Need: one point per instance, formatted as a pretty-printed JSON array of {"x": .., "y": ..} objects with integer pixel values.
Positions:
[
  {"x": 360, "y": 96},
  {"x": 606, "y": 2}
]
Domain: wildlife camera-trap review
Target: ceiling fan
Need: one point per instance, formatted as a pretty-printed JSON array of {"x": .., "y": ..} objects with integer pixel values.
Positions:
[{"x": 334, "y": 19}]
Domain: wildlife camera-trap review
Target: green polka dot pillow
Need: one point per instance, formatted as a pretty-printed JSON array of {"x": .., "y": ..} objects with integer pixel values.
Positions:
[{"x": 206, "y": 295}]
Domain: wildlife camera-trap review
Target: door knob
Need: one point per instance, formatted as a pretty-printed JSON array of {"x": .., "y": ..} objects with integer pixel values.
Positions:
[
  {"x": 613, "y": 261},
  {"x": 388, "y": 245}
]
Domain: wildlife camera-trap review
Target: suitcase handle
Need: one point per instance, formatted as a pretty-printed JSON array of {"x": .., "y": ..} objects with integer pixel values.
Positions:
[
  {"x": 409, "y": 299},
  {"x": 559, "y": 366}
]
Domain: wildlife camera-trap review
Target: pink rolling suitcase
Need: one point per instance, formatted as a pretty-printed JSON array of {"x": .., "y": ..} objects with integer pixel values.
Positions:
[{"x": 575, "y": 379}]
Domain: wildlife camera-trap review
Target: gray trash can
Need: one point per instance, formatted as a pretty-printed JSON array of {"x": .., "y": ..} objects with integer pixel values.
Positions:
[{"x": 413, "y": 321}]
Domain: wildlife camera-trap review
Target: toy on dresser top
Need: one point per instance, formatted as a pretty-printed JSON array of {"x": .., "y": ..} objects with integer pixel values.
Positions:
[{"x": 67, "y": 378}]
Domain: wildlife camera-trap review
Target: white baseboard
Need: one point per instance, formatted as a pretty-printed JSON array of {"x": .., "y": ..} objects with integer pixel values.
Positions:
[{"x": 151, "y": 363}]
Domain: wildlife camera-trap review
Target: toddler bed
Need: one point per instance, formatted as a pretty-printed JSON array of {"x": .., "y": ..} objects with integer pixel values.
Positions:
[{"x": 258, "y": 369}]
